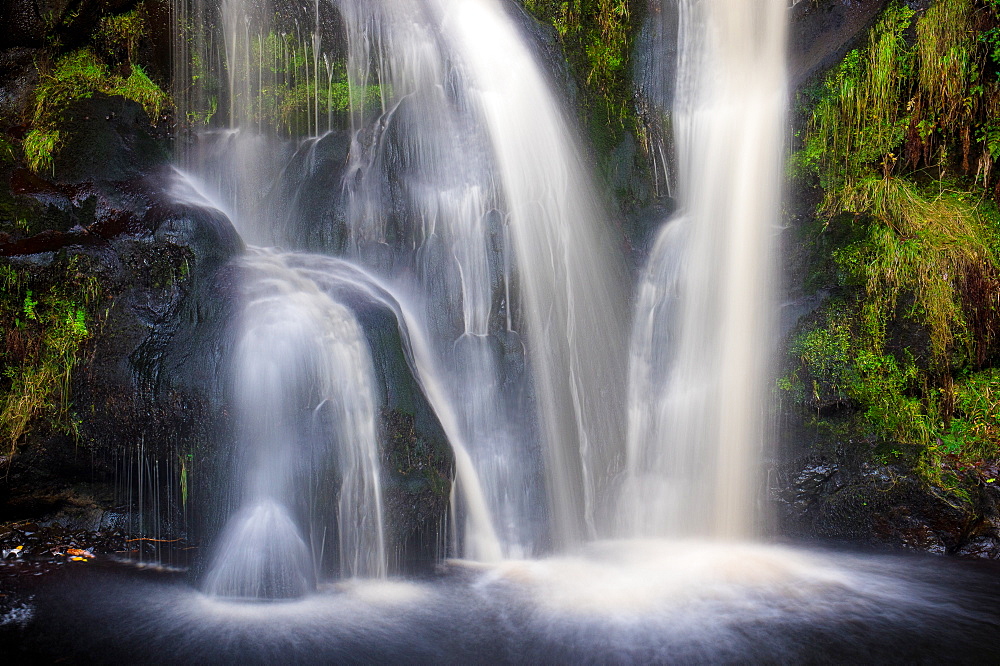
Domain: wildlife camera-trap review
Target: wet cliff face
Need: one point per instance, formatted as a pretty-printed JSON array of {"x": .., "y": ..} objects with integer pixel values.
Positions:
[
  {"x": 118, "y": 302},
  {"x": 115, "y": 298},
  {"x": 887, "y": 434}
]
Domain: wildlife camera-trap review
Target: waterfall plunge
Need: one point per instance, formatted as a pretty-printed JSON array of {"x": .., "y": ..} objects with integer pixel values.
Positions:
[{"x": 704, "y": 312}]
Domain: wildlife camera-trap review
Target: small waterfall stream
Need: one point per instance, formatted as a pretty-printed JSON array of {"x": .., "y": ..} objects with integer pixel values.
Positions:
[{"x": 704, "y": 308}]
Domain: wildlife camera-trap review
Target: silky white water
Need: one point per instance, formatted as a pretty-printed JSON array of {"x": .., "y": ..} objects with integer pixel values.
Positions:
[
  {"x": 470, "y": 226},
  {"x": 307, "y": 405},
  {"x": 466, "y": 200},
  {"x": 704, "y": 308},
  {"x": 472, "y": 168}
]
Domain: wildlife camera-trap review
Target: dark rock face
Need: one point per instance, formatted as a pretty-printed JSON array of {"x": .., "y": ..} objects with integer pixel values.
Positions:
[
  {"x": 838, "y": 487},
  {"x": 416, "y": 457},
  {"x": 147, "y": 390},
  {"x": 32, "y": 23},
  {"x": 821, "y": 33},
  {"x": 109, "y": 139},
  {"x": 308, "y": 205},
  {"x": 144, "y": 387},
  {"x": 18, "y": 77}
]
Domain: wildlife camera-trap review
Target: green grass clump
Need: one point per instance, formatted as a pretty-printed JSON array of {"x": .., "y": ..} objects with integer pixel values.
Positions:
[
  {"x": 857, "y": 121},
  {"x": 901, "y": 139},
  {"x": 120, "y": 35},
  {"x": 75, "y": 76},
  {"x": 919, "y": 245},
  {"x": 40, "y": 146}
]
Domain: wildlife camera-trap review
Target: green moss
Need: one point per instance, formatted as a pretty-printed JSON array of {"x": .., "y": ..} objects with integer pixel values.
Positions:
[
  {"x": 46, "y": 324},
  {"x": 857, "y": 121},
  {"x": 75, "y": 76},
  {"x": 597, "y": 38},
  {"x": 893, "y": 140},
  {"x": 917, "y": 244},
  {"x": 119, "y": 35}
]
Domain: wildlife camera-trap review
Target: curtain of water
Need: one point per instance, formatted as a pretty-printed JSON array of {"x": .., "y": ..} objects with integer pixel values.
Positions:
[
  {"x": 306, "y": 399},
  {"x": 471, "y": 164},
  {"x": 702, "y": 329},
  {"x": 303, "y": 385},
  {"x": 570, "y": 273},
  {"x": 422, "y": 202},
  {"x": 465, "y": 191}
]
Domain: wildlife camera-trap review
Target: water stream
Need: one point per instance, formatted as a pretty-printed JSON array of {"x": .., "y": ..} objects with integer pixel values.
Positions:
[
  {"x": 419, "y": 212},
  {"x": 704, "y": 310}
]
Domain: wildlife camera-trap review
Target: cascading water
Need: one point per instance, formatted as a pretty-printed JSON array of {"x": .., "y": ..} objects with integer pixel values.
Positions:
[
  {"x": 470, "y": 165},
  {"x": 465, "y": 193},
  {"x": 467, "y": 235},
  {"x": 306, "y": 406},
  {"x": 704, "y": 304}
]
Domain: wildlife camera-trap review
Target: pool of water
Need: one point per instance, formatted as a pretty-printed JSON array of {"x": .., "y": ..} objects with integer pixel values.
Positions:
[{"x": 611, "y": 602}]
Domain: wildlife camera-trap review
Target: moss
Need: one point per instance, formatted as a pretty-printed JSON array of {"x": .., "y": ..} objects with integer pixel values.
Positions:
[
  {"x": 119, "y": 36},
  {"x": 299, "y": 91},
  {"x": 75, "y": 76},
  {"x": 597, "y": 38},
  {"x": 47, "y": 322},
  {"x": 913, "y": 240},
  {"x": 917, "y": 244}
]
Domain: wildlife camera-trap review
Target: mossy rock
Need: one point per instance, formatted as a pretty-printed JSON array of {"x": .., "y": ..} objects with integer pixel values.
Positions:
[{"x": 107, "y": 139}]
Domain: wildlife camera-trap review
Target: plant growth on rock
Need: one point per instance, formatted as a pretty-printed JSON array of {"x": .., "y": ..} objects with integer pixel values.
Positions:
[
  {"x": 901, "y": 141},
  {"x": 105, "y": 67}
]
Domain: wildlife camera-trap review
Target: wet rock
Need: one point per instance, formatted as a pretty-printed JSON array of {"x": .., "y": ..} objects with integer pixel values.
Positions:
[
  {"x": 828, "y": 485},
  {"x": 18, "y": 77},
  {"x": 148, "y": 377},
  {"x": 820, "y": 33},
  {"x": 985, "y": 547},
  {"x": 312, "y": 192},
  {"x": 107, "y": 139}
]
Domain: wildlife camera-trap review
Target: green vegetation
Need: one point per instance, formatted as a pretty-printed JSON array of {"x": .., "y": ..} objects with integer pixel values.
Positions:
[
  {"x": 596, "y": 36},
  {"x": 119, "y": 36},
  {"x": 41, "y": 347},
  {"x": 75, "y": 76},
  {"x": 902, "y": 139},
  {"x": 298, "y": 91},
  {"x": 107, "y": 67}
]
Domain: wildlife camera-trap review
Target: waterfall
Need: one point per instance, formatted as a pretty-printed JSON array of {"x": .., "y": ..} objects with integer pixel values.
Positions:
[
  {"x": 466, "y": 199},
  {"x": 422, "y": 201},
  {"x": 570, "y": 273},
  {"x": 704, "y": 306},
  {"x": 307, "y": 405},
  {"x": 468, "y": 178}
]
